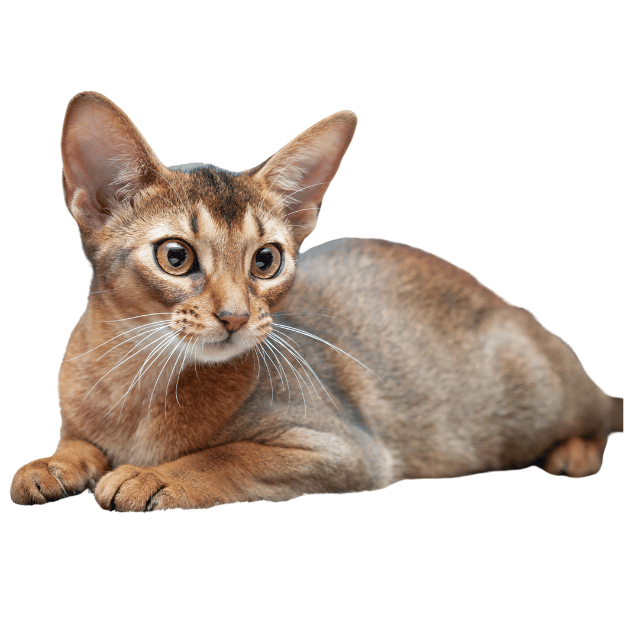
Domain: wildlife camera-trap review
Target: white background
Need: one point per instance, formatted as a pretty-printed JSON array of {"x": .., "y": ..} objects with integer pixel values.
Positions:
[{"x": 491, "y": 134}]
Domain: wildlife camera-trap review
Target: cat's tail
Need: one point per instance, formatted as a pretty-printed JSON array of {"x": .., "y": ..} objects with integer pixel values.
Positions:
[{"x": 616, "y": 414}]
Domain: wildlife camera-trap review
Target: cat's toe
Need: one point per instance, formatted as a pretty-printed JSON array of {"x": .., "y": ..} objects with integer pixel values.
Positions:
[
  {"x": 135, "y": 489},
  {"x": 128, "y": 489},
  {"x": 44, "y": 480}
]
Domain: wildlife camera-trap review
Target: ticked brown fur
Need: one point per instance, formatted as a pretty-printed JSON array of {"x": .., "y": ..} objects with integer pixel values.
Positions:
[{"x": 191, "y": 390}]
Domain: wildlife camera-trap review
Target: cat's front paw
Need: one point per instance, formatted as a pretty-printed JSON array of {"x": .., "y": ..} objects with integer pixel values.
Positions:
[
  {"x": 50, "y": 479},
  {"x": 138, "y": 489}
]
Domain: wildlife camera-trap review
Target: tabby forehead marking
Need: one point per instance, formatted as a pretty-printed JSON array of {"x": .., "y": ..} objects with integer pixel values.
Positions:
[{"x": 194, "y": 224}]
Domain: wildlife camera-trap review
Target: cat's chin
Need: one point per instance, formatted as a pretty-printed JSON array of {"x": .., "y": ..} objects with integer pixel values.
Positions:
[{"x": 208, "y": 352}]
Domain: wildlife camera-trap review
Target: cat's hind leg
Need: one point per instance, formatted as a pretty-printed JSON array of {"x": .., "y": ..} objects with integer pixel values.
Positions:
[
  {"x": 75, "y": 466},
  {"x": 579, "y": 456},
  {"x": 575, "y": 457}
]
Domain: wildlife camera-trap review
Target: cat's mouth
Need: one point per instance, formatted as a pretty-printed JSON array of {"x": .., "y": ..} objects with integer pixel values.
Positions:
[{"x": 219, "y": 350}]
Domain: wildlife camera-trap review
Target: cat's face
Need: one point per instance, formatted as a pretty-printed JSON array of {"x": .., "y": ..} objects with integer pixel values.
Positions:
[
  {"x": 206, "y": 252},
  {"x": 215, "y": 276}
]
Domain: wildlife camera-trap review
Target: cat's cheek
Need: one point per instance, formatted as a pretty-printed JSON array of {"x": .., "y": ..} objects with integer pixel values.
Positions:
[{"x": 271, "y": 292}]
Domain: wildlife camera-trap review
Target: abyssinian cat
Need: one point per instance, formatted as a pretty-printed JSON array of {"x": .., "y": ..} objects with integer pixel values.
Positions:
[{"x": 215, "y": 364}]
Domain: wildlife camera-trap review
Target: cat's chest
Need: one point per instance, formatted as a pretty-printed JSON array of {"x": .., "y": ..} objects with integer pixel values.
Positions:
[{"x": 157, "y": 421}]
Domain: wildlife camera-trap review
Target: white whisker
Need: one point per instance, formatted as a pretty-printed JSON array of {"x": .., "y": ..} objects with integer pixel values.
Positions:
[
  {"x": 286, "y": 377},
  {"x": 171, "y": 375},
  {"x": 334, "y": 347},
  {"x": 268, "y": 371},
  {"x": 136, "y": 317},
  {"x": 195, "y": 357},
  {"x": 161, "y": 324},
  {"x": 115, "y": 337},
  {"x": 186, "y": 351},
  {"x": 173, "y": 338},
  {"x": 305, "y": 363},
  {"x": 119, "y": 364},
  {"x": 299, "y": 360},
  {"x": 297, "y": 376},
  {"x": 274, "y": 365},
  {"x": 160, "y": 341}
]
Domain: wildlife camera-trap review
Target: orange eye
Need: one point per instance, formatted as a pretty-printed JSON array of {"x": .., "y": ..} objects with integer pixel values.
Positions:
[
  {"x": 266, "y": 262},
  {"x": 175, "y": 257}
]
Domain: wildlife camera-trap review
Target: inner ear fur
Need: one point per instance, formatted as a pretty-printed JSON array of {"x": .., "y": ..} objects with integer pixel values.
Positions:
[
  {"x": 105, "y": 158},
  {"x": 302, "y": 170}
]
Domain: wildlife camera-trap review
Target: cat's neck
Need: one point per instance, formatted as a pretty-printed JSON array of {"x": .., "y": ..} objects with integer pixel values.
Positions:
[{"x": 111, "y": 386}]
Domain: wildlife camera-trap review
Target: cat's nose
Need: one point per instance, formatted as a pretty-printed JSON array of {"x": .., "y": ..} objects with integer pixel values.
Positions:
[{"x": 231, "y": 321}]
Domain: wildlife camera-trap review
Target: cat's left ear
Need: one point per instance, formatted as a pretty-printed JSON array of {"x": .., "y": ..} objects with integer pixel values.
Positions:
[
  {"x": 105, "y": 159},
  {"x": 302, "y": 170}
]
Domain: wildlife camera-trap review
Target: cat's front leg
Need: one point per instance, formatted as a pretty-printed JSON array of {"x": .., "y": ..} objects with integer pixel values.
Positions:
[
  {"x": 75, "y": 466},
  {"x": 241, "y": 471}
]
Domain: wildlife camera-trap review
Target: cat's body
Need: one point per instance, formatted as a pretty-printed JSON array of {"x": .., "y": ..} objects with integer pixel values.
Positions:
[{"x": 421, "y": 370}]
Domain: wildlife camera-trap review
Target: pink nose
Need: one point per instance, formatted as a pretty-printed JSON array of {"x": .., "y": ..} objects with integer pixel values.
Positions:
[{"x": 231, "y": 321}]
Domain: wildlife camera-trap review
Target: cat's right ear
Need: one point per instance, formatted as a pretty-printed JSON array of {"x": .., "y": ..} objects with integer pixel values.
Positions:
[
  {"x": 302, "y": 170},
  {"x": 105, "y": 159}
]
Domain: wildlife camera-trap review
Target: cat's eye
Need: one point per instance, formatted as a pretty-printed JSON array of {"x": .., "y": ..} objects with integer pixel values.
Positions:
[
  {"x": 266, "y": 261},
  {"x": 175, "y": 257}
]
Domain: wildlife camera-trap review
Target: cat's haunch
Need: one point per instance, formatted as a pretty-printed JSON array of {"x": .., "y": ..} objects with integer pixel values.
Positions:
[{"x": 216, "y": 364}]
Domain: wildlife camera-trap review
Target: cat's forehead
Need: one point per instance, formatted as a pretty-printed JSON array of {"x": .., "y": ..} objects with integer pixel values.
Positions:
[
  {"x": 224, "y": 194},
  {"x": 210, "y": 206}
]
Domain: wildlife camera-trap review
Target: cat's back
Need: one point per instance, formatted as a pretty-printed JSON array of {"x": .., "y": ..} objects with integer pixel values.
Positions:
[
  {"x": 371, "y": 277},
  {"x": 442, "y": 351}
]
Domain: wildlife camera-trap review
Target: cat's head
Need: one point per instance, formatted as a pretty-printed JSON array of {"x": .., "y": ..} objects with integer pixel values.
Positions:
[{"x": 209, "y": 251}]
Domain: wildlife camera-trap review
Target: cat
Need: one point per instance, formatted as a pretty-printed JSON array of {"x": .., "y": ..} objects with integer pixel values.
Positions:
[{"x": 215, "y": 364}]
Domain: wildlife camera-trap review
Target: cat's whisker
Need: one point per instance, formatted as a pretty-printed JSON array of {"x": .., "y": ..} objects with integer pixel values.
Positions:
[
  {"x": 137, "y": 379},
  {"x": 136, "y": 317},
  {"x": 115, "y": 337},
  {"x": 161, "y": 340},
  {"x": 334, "y": 347},
  {"x": 299, "y": 358},
  {"x": 195, "y": 357},
  {"x": 255, "y": 352},
  {"x": 152, "y": 357},
  {"x": 186, "y": 352},
  {"x": 173, "y": 338},
  {"x": 298, "y": 361},
  {"x": 119, "y": 364},
  {"x": 132, "y": 384},
  {"x": 306, "y": 364},
  {"x": 284, "y": 199},
  {"x": 306, "y": 308},
  {"x": 298, "y": 376},
  {"x": 171, "y": 375},
  {"x": 288, "y": 338},
  {"x": 143, "y": 340},
  {"x": 303, "y": 313},
  {"x": 273, "y": 363},
  {"x": 161, "y": 324},
  {"x": 256, "y": 365},
  {"x": 268, "y": 371},
  {"x": 286, "y": 377}
]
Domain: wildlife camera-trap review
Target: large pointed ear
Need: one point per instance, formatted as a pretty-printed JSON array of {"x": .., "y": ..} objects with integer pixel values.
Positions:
[
  {"x": 302, "y": 170},
  {"x": 105, "y": 159}
]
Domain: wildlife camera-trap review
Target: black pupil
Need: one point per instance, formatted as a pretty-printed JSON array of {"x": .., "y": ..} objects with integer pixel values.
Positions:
[
  {"x": 264, "y": 259},
  {"x": 176, "y": 256}
]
